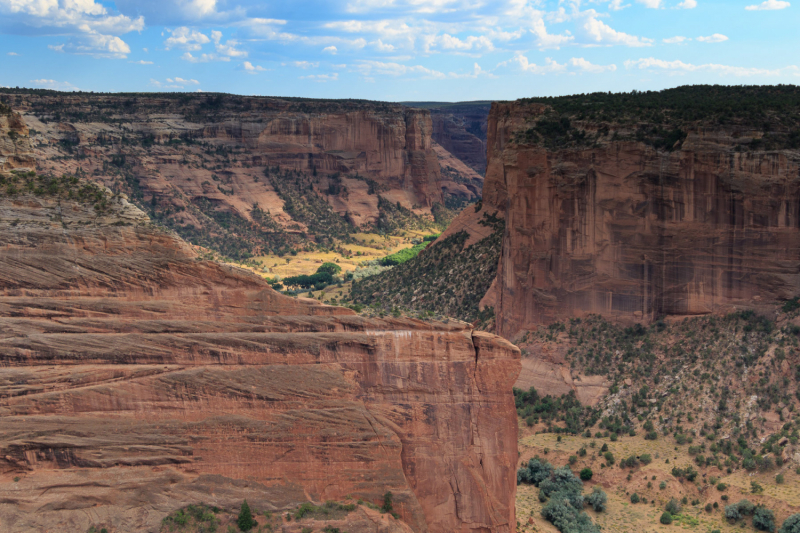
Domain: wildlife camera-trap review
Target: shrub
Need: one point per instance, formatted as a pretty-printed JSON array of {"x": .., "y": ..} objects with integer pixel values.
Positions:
[
  {"x": 651, "y": 435},
  {"x": 666, "y": 518},
  {"x": 779, "y": 479},
  {"x": 662, "y": 485},
  {"x": 709, "y": 507},
  {"x": 562, "y": 480},
  {"x": 645, "y": 459},
  {"x": 634, "y": 498},
  {"x": 387, "y": 503},
  {"x": 732, "y": 512},
  {"x": 756, "y": 488},
  {"x": 673, "y": 507},
  {"x": 536, "y": 472},
  {"x": 764, "y": 519},
  {"x": 586, "y": 474},
  {"x": 722, "y": 487},
  {"x": 609, "y": 457},
  {"x": 245, "y": 520},
  {"x": 565, "y": 517},
  {"x": 597, "y": 499},
  {"x": 791, "y": 524},
  {"x": 330, "y": 268}
]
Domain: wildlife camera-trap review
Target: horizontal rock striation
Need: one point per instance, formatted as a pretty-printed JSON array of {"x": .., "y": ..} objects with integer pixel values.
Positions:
[
  {"x": 617, "y": 227},
  {"x": 136, "y": 379}
]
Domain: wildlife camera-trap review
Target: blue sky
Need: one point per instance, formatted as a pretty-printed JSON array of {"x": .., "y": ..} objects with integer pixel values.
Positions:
[{"x": 396, "y": 50}]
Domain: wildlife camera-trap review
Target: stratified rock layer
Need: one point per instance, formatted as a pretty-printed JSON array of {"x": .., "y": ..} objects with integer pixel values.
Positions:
[
  {"x": 135, "y": 379},
  {"x": 631, "y": 233},
  {"x": 15, "y": 145}
]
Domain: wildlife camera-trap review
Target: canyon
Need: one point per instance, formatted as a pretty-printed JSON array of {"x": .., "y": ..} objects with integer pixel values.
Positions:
[
  {"x": 201, "y": 163},
  {"x": 137, "y": 378}
]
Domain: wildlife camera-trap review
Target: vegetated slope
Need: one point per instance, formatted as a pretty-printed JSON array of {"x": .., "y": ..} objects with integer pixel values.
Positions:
[
  {"x": 445, "y": 278},
  {"x": 703, "y": 408},
  {"x": 635, "y": 206}
]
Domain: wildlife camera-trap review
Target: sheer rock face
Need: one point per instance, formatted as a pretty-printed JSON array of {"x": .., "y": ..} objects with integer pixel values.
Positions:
[
  {"x": 632, "y": 233},
  {"x": 461, "y": 130},
  {"x": 135, "y": 379},
  {"x": 15, "y": 146},
  {"x": 217, "y": 147}
]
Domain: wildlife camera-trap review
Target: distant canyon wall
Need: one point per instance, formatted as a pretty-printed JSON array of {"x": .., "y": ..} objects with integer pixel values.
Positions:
[{"x": 630, "y": 232}]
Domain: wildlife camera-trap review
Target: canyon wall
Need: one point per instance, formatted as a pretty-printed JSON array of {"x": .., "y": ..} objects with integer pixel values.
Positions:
[
  {"x": 631, "y": 232},
  {"x": 15, "y": 145},
  {"x": 136, "y": 378},
  {"x": 191, "y": 157}
]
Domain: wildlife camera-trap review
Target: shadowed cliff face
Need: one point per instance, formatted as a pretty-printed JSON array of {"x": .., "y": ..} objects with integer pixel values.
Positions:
[
  {"x": 136, "y": 379},
  {"x": 629, "y": 232}
]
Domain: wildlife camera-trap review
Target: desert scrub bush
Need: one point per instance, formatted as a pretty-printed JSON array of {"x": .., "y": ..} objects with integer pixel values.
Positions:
[
  {"x": 597, "y": 499},
  {"x": 586, "y": 474},
  {"x": 201, "y": 516},
  {"x": 666, "y": 518},
  {"x": 764, "y": 519},
  {"x": 673, "y": 507},
  {"x": 791, "y": 524}
]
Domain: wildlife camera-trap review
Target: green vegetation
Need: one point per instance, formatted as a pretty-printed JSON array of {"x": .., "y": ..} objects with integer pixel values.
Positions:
[
  {"x": 200, "y": 518},
  {"x": 562, "y": 490},
  {"x": 661, "y": 118},
  {"x": 791, "y": 524},
  {"x": 449, "y": 278},
  {"x": 533, "y": 409},
  {"x": 65, "y": 187},
  {"x": 245, "y": 521},
  {"x": 403, "y": 255}
]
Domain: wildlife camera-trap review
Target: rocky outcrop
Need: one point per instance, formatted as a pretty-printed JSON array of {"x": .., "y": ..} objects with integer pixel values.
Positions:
[
  {"x": 194, "y": 159},
  {"x": 617, "y": 227},
  {"x": 136, "y": 379},
  {"x": 15, "y": 146}
]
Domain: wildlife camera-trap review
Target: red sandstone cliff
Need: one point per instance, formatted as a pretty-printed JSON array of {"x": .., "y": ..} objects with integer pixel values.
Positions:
[
  {"x": 630, "y": 232},
  {"x": 136, "y": 379},
  {"x": 15, "y": 145},
  {"x": 181, "y": 149}
]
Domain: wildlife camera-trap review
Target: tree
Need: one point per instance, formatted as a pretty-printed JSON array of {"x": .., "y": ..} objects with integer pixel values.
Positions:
[
  {"x": 791, "y": 524},
  {"x": 245, "y": 520},
  {"x": 598, "y": 499},
  {"x": 764, "y": 519},
  {"x": 330, "y": 268},
  {"x": 666, "y": 518},
  {"x": 586, "y": 474},
  {"x": 673, "y": 507},
  {"x": 387, "y": 503}
]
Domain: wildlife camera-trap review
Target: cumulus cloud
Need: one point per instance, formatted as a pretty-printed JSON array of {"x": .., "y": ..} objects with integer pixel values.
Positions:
[
  {"x": 688, "y": 4},
  {"x": 89, "y": 26},
  {"x": 679, "y": 67},
  {"x": 522, "y": 62},
  {"x": 769, "y": 5},
  {"x": 174, "y": 83},
  {"x": 251, "y": 68},
  {"x": 330, "y": 50},
  {"x": 186, "y": 39},
  {"x": 600, "y": 33},
  {"x": 716, "y": 38},
  {"x": 581, "y": 64}
]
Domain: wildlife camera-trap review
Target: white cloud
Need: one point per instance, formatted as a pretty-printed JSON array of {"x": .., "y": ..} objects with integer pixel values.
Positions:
[
  {"x": 525, "y": 65},
  {"x": 321, "y": 77},
  {"x": 55, "y": 85},
  {"x": 769, "y": 5},
  {"x": 12, "y": 54},
  {"x": 448, "y": 42},
  {"x": 186, "y": 39},
  {"x": 688, "y": 4},
  {"x": 586, "y": 66},
  {"x": 680, "y": 67},
  {"x": 302, "y": 64},
  {"x": 616, "y": 5},
  {"x": 477, "y": 71},
  {"x": 600, "y": 33},
  {"x": 330, "y": 50},
  {"x": 229, "y": 48},
  {"x": 677, "y": 40},
  {"x": 173, "y": 83},
  {"x": 141, "y": 62},
  {"x": 652, "y": 4},
  {"x": 251, "y": 68},
  {"x": 90, "y": 28},
  {"x": 369, "y": 68},
  {"x": 716, "y": 38}
]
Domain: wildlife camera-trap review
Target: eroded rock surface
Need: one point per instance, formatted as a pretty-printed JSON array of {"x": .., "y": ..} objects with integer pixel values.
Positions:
[
  {"x": 631, "y": 232},
  {"x": 136, "y": 379},
  {"x": 15, "y": 145}
]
